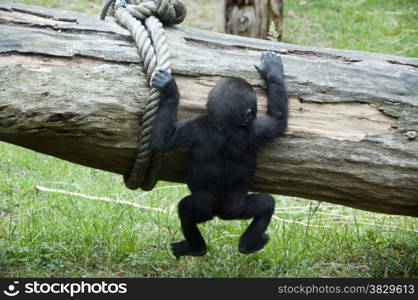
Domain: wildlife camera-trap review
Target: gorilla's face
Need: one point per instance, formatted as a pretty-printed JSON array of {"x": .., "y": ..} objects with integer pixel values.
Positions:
[{"x": 232, "y": 102}]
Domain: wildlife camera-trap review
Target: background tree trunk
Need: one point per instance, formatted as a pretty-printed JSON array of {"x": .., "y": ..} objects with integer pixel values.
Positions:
[
  {"x": 71, "y": 86},
  {"x": 253, "y": 18}
]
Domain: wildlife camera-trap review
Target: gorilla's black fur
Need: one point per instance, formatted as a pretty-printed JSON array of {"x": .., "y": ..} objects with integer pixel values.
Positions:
[{"x": 222, "y": 149}]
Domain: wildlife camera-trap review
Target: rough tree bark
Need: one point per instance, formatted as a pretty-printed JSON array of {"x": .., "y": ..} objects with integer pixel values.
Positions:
[
  {"x": 71, "y": 86},
  {"x": 253, "y": 18}
]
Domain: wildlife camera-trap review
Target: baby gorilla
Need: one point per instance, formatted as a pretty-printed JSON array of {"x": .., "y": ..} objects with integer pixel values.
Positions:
[{"x": 222, "y": 147}]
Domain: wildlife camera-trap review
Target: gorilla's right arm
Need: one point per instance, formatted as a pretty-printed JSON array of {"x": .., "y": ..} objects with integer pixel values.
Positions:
[{"x": 274, "y": 124}]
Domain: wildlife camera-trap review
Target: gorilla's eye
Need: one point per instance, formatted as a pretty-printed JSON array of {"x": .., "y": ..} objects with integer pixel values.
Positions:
[{"x": 248, "y": 114}]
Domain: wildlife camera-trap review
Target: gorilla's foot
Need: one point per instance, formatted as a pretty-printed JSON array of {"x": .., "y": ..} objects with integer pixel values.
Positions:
[
  {"x": 247, "y": 246},
  {"x": 182, "y": 248}
]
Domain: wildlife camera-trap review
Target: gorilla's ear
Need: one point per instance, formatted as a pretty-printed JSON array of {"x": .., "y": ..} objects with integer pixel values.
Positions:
[{"x": 249, "y": 115}]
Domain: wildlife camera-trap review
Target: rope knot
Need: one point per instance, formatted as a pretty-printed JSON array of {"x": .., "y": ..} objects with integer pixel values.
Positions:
[{"x": 171, "y": 12}]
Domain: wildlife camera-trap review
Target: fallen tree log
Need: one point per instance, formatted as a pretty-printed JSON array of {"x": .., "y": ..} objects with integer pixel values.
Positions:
[{"x": 71, "y": 86}]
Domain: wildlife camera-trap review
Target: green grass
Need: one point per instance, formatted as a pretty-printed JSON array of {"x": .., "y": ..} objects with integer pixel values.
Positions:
[
  {"x": 383, "y": 26},
  {"x": 46, "y": 234}
]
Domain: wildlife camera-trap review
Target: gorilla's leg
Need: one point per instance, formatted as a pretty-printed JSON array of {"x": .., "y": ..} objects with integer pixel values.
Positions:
[
  {"x": 260, "y": 207},
  {"x": 193, "y": 210}
]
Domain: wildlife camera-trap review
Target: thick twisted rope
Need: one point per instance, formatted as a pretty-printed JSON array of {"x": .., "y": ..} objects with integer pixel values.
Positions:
[{"x": 153, "y": 49}]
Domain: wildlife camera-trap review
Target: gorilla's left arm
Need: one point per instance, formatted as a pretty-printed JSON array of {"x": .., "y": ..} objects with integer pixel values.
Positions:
[{"x": 168, "y": 133}]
